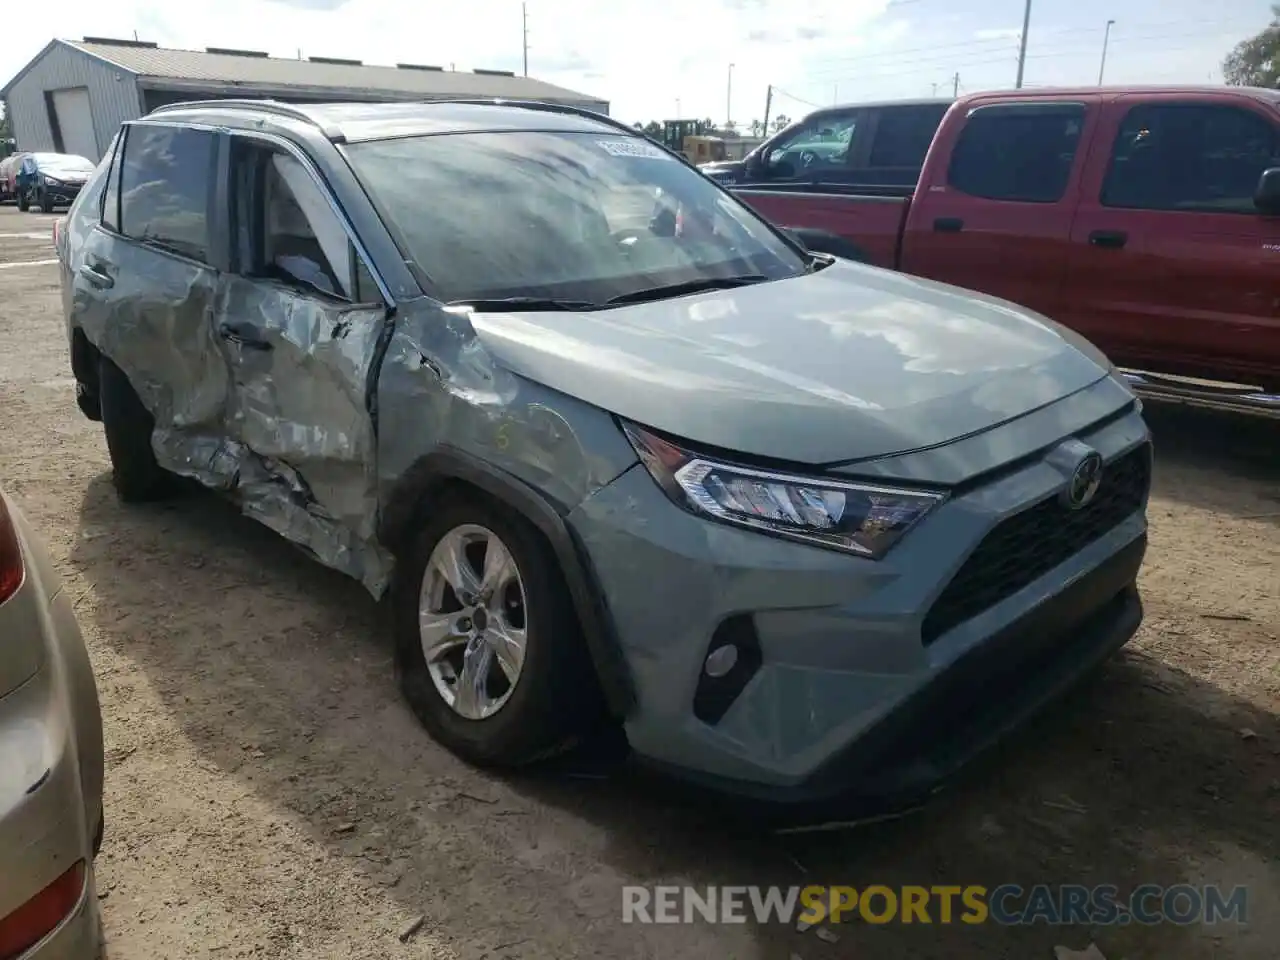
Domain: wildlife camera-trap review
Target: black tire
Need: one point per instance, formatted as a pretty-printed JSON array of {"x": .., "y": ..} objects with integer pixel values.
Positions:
[
  {"x": 128, "y": 427},
  {"x": 99, "y": 834},
  {"x": 556, "y": 699},
  {"x": 87, "y": 401},
  {"x": 23, "y": 203}
]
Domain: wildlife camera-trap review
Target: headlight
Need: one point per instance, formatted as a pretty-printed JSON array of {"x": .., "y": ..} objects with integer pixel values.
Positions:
[
  {"x": 855, "y": 517},
  {"x": 51, "y": 182}
]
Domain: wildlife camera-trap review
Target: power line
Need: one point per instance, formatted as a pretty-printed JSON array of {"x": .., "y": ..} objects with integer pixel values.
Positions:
[
  {"x": 792, "y": 96},
  {"x": 991, "y": 45},
  {"x": 981, "y": 58}
]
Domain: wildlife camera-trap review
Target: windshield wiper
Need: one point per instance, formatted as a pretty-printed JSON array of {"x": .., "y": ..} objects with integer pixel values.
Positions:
[
  {"x": 688, "y": 286},
  {"x": 525, "y": 303}
]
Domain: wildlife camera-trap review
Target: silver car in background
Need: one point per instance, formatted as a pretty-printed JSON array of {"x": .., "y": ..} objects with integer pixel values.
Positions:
[{"x": 51, "y": 759}]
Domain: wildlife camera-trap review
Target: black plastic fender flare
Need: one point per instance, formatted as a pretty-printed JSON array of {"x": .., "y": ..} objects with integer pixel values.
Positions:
[{"x": 448, "y": 464}]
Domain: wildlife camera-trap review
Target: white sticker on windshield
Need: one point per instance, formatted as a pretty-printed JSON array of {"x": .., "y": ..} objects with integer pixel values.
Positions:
[{"x": 633, "y": 148}]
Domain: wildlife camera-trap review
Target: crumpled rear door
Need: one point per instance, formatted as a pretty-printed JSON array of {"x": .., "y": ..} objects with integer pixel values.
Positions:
[{"x": 151, "y": 313}]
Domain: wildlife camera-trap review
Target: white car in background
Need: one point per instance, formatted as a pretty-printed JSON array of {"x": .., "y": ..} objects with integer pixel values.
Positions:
[{"x": 51, "y": 759}]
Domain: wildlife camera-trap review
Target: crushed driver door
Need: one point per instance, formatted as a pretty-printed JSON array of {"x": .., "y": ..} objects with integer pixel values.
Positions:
[{"x": 300, "y": 321}]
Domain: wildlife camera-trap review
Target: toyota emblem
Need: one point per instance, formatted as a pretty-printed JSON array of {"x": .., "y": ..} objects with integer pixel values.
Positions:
[{"x": 1084, "y": 482}]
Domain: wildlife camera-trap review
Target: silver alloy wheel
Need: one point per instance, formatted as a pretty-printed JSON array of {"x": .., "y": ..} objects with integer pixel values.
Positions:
[{"x": 471, "y": 620}]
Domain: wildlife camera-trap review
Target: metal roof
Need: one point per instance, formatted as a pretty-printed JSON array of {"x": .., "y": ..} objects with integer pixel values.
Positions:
[{"x": 254, "y": 70}]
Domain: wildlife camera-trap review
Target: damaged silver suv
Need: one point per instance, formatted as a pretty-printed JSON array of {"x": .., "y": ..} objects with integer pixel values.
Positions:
[{"x": 618, "y": 447}]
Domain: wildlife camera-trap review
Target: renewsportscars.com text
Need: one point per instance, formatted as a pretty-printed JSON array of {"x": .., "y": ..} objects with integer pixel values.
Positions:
[{"x": 1006, "y": 905}]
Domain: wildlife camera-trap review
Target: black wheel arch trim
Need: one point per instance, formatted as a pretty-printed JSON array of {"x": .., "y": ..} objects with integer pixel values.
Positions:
[{"x": 446, "y": 464}]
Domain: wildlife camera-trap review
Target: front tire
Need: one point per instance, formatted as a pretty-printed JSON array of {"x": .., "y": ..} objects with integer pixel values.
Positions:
[
  {"x": 128, "y": 426},
  {"x": 488, "y": 647},
  {"x": 24, "y": 204}
]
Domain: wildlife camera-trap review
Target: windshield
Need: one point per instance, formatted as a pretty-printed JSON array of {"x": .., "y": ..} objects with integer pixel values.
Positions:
[
  {"x": 578, "y": 216},
  {"x": 63, "y": 162}
]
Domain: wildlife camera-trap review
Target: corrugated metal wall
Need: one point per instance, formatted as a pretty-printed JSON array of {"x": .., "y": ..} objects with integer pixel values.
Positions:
[{"x": 113, "y": 97}]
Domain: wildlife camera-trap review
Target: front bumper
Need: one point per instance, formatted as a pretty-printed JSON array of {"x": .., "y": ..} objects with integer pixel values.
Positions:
[
  {"x": 62, "y": 194},
  {"x": 844, "y": 693}
]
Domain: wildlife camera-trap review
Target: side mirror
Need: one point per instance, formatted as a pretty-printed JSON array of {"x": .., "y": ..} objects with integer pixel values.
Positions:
[
  {"x": 783, "y": 169},
  {"x": 1267, "y": 195}
]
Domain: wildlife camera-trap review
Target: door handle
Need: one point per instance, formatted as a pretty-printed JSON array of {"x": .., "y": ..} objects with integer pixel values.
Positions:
[
  {"x": 1110, "y": 239},
  {"x": 244, "y": 334},
  {"x": 948, "y": 225},
  {"x": 96, "y": 276}
]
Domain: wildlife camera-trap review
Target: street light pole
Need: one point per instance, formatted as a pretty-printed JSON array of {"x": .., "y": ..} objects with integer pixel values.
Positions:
[
  {"x": 1105, "y": 37},
  {"x": 1022, "y": 46},
  {"x": 728, "y": 99}
]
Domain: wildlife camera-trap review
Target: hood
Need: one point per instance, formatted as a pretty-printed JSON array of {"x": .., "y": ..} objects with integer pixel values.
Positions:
[{"x": 848, "y": 363}]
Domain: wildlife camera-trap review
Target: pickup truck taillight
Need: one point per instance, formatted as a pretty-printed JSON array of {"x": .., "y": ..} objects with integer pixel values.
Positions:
[{"x": 12, "y": 567}]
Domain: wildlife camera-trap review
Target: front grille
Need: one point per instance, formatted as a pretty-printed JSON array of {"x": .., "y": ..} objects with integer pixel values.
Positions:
[{"x": 1029, "y": 544}]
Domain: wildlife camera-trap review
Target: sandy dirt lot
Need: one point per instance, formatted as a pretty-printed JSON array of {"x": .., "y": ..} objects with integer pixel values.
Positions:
[{"x": 268, "y": 794}]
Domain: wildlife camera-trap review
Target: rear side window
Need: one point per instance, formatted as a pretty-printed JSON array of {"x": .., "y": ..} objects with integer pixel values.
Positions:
[
  {"x": 111, "y": 196},
  {"x": 1019, "y": 152},
  {"x": 903, "y": 136},
  {"x": 165, "y": 180},
  {"x": 1198, "y": 157}
]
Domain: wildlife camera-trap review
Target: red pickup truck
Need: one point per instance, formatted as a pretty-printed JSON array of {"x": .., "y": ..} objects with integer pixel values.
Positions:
[{"x": 1147, "y": 219}]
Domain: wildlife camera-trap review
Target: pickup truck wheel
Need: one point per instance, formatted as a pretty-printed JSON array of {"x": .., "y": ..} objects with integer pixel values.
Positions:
[
  {"x": 488, "y": 647},
  {"x": 128, "y": 426}
]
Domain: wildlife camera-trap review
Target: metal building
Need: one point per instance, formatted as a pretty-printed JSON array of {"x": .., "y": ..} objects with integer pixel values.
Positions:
[{"x": 75, "y": 94}]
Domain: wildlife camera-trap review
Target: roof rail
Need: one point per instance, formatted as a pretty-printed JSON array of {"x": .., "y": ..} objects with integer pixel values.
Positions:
[
  {"x": 544, "y": 106},
  {"x": 419, "y": 66},
  {"x": 276, "y": 107},
  {"x": 342, "y": 61},
  {"x": 493, "y": 73}
]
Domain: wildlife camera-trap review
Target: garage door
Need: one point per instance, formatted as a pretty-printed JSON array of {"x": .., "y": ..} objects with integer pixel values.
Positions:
[{"x": 75, "y": 122}]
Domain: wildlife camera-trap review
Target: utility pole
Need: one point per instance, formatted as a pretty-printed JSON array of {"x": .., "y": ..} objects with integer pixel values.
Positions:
[
  {"x": 1022, "y": 45},
  {"x": 768, "y": 102},
  {"x": 955, "y": 85},
  {"x": 1105, "y": 37},
  {"x": 524, "y": 29},
  {"x": 728, "y": 100}
]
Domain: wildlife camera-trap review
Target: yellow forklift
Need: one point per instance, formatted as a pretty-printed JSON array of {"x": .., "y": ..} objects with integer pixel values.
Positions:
[{"x": 690, "y": 137}]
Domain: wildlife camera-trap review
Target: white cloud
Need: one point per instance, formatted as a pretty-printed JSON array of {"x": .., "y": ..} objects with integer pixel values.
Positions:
[
  {"x": 645, "y": 55},
  {"x": 642, "y": 55}
]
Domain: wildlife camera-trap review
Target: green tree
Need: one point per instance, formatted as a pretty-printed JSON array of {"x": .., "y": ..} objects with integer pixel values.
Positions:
[
  {"x": 781, "y": 122},
  {"x": 1256, "y": 62}
]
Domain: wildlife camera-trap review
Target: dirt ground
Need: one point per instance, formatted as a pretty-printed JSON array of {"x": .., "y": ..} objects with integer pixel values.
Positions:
[{"x": 269, "y": 795}]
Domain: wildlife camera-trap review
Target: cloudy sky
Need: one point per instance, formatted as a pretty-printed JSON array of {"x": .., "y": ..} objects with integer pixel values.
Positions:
[{"x": 652, "y": 58}]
